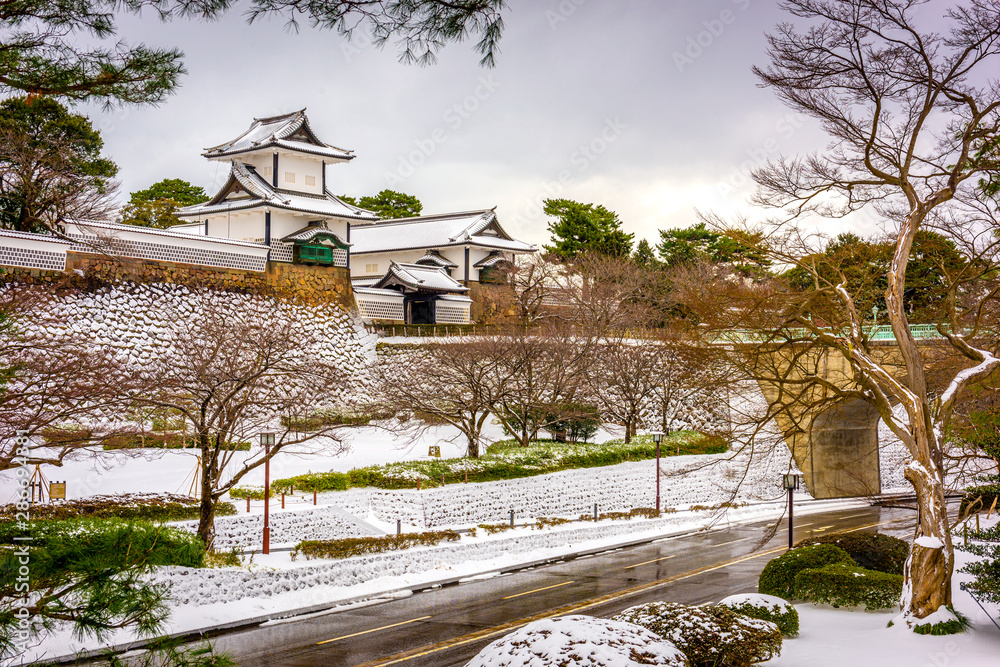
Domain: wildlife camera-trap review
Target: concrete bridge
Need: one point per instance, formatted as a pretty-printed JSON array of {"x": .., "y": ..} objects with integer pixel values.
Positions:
[{"x": 836, "y": 445}]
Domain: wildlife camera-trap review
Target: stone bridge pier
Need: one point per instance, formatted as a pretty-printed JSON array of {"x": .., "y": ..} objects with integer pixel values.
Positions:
[{"x": 836, "y": 445}]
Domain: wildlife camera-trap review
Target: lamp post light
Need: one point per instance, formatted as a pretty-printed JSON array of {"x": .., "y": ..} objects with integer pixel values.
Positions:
[
  {"x": 791, "y": 482},
  {"x": 657, "y": 438},
  {"x": 267, "y": 440}
]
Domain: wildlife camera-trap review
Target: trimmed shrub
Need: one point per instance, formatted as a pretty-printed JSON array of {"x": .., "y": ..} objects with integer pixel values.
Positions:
[
  {"x": 359, "y": 546},
  {"x": 847, "y": 585},
  {"x": 129, "y": 506},
  {"x": 766, "y": 608},
  {"x": 251, "y": 492},
  {"x": 493, "y": 528},
  {"x": 872, "y": 551},
  {"x": 778, "y": 576},
  {"x": 60, "y": 544},
  {"x": 951, "y": 623},
  {"x": 579, "y": 641},
  {"x": 710, "y": 636}
]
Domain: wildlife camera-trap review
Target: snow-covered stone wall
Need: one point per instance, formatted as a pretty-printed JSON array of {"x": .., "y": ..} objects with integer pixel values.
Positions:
[{"x": 133, "y": 320}]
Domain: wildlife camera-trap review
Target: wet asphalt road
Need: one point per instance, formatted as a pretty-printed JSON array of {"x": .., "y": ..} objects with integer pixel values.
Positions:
[{"x": 448, "y": 626}]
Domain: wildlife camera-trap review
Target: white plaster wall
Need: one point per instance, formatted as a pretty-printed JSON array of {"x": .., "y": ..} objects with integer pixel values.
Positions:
[
  {"x": 243, "y": 225},
  {"x": 301, "y": 167}
]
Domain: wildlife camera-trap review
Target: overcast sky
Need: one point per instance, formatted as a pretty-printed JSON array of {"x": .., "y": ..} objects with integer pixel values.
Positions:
[{"x": 647, "y": 107}]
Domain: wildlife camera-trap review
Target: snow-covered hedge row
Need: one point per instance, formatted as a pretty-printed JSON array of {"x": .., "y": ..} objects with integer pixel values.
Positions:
[
  {"x": 245, "y": 531},
  {"x": 207, "y": 586}
]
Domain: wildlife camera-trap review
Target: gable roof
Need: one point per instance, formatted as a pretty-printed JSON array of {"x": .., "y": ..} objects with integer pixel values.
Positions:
[
  {"x": 492, "y": 259},
  {"x": 419, "y": 278},
  {"x": 314, "y": 232},
  {"x": 290, "y": 131},
  {"x": 244, "y": 178},
  {"x": 434, "y": 258},
  {"x": 435, "y": 231}
]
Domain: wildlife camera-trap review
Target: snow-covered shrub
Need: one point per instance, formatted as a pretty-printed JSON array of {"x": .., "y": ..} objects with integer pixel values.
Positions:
[
  {"x": 139, "y": 506},
  {"x": 766, "y": 608},
  {"x": 710, "y": 636},
  {"x": 872, "y": 551},
  {"x": 579, "y": 641},
  {"x": 778, "y": 576},
  {"x": 358, "y": 546},
  {"x": 945, "y": 621},
  {"x": 847, "y": 585}
]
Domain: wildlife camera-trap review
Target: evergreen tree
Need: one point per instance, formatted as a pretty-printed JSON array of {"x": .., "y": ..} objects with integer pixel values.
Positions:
[
  {"x": 43, "y": 53},
  {"x": 390, "y": 204},
  {"x": 741, "y": 250},
  {"x": 51, "y": 166},
  {"x": 643, "y": 255},
  {"x": 157, "y": 205},
  {"x": 585, "y": 228}
]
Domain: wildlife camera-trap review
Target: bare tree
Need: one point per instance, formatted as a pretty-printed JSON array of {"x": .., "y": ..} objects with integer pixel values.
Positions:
[
  {"x": 57, "y": 387},
  {"x": 544, "y": 371},
  {"x": 235, "y": 369},
  {"x": 913, "y": 131},
  {"x": 454, "y": 382}
]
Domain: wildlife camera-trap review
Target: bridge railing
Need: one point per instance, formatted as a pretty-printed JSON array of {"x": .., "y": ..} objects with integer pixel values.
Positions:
[{"x": 881, "y": 332}]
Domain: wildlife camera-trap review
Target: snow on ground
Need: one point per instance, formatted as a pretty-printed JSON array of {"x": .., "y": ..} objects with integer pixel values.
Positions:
[
  {"x": 837, "y": 637},
  {"x": 172, "y": 470}
]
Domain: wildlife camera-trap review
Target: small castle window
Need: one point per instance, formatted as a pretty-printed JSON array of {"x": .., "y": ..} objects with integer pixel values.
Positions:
[
  {"x": 310, "y": 180},
  {"x": 371, "y": 268},
  {"x": 289, "y": 177}
]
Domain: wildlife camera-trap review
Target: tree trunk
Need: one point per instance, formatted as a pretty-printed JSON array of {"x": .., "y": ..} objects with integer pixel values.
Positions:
[
  {"x": 928, "y": 570},
  {"x": 206, "y": 520}
]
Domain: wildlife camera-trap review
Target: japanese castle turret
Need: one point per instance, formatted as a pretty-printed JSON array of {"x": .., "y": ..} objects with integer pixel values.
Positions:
[{"x": 277, "y": 195}]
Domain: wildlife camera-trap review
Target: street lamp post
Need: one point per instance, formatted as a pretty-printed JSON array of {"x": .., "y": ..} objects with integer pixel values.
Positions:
[
  {"x": 267, "y": 440},
  {"x": 657, "y": 438},
  {"x": 791, "y": 482}
]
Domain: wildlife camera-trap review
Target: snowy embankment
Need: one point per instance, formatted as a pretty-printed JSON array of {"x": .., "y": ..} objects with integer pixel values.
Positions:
[{"x": 685, "y": 481}]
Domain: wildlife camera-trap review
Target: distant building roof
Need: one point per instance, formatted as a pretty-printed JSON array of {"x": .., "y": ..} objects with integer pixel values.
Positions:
[
  {"x": 419, "y": 278},
  {"x": 290, "y": 131},
  {"x": 246, "y": 189},
  {"x": 435, "y": 231}
]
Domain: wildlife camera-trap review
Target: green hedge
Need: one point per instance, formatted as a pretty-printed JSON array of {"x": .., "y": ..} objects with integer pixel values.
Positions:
[
  {"x": 251, "y": 492},
  {"x": 766, "y": 608},
  {"x": 503, "y": 460},
  {"x": 710, "y": 636},
  {"x": 846, "y": 585},
  {"x": 359, "y": 546},
  {"x": 128, "y": 506},
  {"x": 872, "y": 551},
  {"x": 778, "y": 576},
  {"x": 130, "y": 542}
]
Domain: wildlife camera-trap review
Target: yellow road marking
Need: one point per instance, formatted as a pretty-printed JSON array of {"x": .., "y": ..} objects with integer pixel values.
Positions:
[
  {"x": 742, "y": 539},
  {"x": 655, "y": 560},
  {"x": 365, "y": 632},
  {"x": 820, "y": 530},
  {"x": 511, "y": 597},
  {"x": 569, "y": 609}
]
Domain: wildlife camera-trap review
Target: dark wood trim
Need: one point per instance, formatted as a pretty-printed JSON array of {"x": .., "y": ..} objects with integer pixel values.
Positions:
[
  {"x": 466, "y": 266},
  {"x": 324, "y": 177},
  {"x": 348, "y": 235},
  {"x": 274, "y": 170},
  {"x": 267, "y": 233}
]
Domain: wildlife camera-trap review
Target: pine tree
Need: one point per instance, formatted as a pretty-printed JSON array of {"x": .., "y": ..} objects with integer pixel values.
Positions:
[{"x": 585, "y": 228}]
